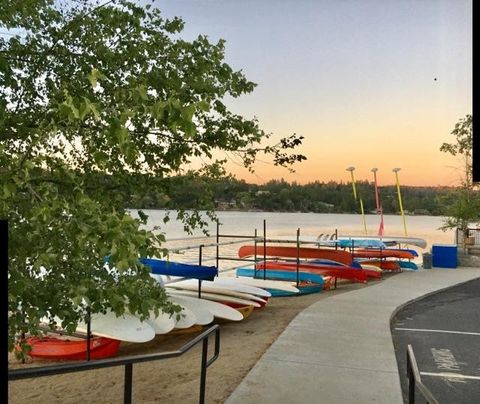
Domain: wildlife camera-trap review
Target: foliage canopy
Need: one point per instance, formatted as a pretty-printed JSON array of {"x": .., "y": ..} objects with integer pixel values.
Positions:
[
  {"x": 103, "y": 88},
  {"x": 463, "y": 206}
]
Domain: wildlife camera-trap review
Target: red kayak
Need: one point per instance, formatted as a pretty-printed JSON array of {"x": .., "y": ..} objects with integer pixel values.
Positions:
[
  {"x": 358, "y": 275},
  {"x": 340, "y": 256},
  {"x": 383, "y": 253},
  {"x": 56, "y": 348}
]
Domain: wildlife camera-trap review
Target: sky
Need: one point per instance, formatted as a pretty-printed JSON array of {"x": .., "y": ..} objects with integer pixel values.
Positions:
[{"x": 355, "y": 78}]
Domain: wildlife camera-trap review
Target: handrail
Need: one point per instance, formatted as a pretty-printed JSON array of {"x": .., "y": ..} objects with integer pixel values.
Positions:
[
  {"x": 128, "y": 362},
  {"x": 414, "y": 380}
]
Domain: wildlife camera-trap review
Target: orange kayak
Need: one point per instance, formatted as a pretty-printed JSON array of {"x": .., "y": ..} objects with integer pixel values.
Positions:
[
  {"x": 245, "y": 310},
  {"x": 383, "y": 253},
  {"x": 56, "y": 348},
  {"x": 358, "y": 275},
  {"x": 383, "y": 264},
  {"x": 340, "y": 256}
]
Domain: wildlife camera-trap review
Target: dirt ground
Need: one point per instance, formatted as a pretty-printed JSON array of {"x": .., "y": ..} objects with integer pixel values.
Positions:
[{"x": 174, "y": 380}]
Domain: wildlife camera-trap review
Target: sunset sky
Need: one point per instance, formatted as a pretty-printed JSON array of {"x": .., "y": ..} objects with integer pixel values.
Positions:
[{"x": 355, "y": 78}]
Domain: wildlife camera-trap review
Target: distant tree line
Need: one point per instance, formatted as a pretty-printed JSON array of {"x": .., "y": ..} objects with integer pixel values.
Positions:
[{"x": 227, "y": 193}]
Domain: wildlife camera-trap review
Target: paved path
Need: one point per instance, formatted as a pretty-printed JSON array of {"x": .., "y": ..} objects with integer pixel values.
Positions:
[{"x": 340, "y": 350}]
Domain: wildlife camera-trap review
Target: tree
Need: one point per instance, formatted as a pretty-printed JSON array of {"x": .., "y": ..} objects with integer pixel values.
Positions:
[
  {"x": 103, "y": 88},
  {"x": 463, "y": 205}
]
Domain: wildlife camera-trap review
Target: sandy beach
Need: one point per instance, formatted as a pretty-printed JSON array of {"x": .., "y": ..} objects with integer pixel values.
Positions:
[{"x": 175, "y": 380}]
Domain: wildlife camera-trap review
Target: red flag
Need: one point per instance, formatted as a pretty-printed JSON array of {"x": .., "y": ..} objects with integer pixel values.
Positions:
[{"x": 380, "y": 229}]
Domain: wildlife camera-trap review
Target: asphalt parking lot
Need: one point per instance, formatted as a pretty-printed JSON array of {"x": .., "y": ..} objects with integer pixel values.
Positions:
[{"x": 444, "y": 331}]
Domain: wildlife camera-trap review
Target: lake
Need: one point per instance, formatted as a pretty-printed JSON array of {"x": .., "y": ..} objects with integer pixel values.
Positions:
[{"x": 286, "y": 224}]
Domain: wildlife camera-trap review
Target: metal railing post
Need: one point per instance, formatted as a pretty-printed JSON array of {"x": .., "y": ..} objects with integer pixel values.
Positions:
[
  {"x": 217, "y": 247},
  {"x": 89, "y": 332},
  {"x": 411, "y": 381},
  {"x": 298, "y": 255},
  {"x": 127, "y": 389},
  {"x": 203, "y": 371},
  {"x": 200, "y": 254},
  {"x": 264, "y": 249},
  {"x": 255, "y": 257}
]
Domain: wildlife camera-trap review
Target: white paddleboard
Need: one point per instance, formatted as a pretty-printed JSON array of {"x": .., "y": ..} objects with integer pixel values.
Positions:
[
  {"x": 215, "y": 297},
  {"x": 252, "y": 290},
  {"x": 202, "y": 314},
  {"x": 263, "y": 283},
  {"x": 124, "y": 328},
  {"x": 161, "y": 324},
  {"x": 217, "y": 289},
  {"x": 217, "y": 309},
  {"x": 188, "y": 319}
]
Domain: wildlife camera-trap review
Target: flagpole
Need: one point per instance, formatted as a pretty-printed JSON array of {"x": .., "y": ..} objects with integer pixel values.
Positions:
[
  {"x": 396, "y": 170},
  {"x": 352, "y": 169},
  {"x": 377, "y": 201}
]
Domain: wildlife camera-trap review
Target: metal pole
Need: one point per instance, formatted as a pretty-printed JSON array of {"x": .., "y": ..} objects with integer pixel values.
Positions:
[
  {"x": 88, "y": 333},
  {"x": 127, "y": 389},
  {"x": 411, "y": 381},
  {"x": 336, "y": 239},
  {"x": 203, "y": 370},
  {"x": 396, "y": 170},
  {"x": 218, "y": 241},
  {"x": 200, "y": 253},
  {"x": 255, "y": 256},
  {"x": 352, "y": 169},
  {"x": 363, "y": 217},
  {"x": 298, "y": 255},
  {"x": 264, "y": 249}
]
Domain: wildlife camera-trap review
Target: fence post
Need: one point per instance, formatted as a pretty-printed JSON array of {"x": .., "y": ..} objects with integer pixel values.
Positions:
[
  {"x": 127, "y": 391},
  {"x": 203, "y": 370},
  {"x": 411, "y": 381}
]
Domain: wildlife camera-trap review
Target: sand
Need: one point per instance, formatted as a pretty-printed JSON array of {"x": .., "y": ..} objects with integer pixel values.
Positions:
[{"x": 175, "y": 380}]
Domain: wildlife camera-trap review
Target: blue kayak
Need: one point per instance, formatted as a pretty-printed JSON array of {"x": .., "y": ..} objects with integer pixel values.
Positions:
[
  {"x": 316, "y": 279},
  {"x": 408, "y": 265},
  {"x": 161, "y": 267}
]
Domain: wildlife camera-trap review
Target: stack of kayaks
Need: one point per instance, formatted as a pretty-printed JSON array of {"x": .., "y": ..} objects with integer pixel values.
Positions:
[{"x": 314, "y": 264}]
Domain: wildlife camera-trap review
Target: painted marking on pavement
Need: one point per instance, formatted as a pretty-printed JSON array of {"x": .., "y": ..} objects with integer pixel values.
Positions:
[
  {"x": 450, "y": 375},
  {"x": 445, "y": 360},
  {"x": 439, "y": 331}
]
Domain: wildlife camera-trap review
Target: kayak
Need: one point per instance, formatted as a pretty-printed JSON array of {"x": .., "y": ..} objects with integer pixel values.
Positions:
[
  {"x": 308, "y": 282},
  {"x": 162, "y": 267},
  {"x": 383, "y": 253},
  {"x": 419, "y": 242},
  {"x": 342, "y": 272},
  {"x": 56, "y": 348},
  {"x": 343, "y": 257},
  {"x": 383, "y": 264},
  {"x": 408, "y": 265}
]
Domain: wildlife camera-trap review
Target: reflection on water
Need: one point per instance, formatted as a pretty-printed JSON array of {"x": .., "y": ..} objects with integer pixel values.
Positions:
[{"x": 286, "y": 224}]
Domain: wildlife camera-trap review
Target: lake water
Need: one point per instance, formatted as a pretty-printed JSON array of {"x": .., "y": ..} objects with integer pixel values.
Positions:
[{"x": 286, "y": 224}]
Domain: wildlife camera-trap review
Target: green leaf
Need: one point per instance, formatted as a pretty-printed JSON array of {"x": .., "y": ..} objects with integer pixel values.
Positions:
[{"x": 94, "y": 76}]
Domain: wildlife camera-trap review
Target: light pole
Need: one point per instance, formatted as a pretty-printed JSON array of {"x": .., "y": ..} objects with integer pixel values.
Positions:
[
  {"x": 352, "y": 169},
  {"x": 396, "y": 170},
  {"x": 377, "y": 201}
]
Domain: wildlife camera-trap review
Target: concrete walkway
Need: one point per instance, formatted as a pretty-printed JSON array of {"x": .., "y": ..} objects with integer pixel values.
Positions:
[{"x": 340, "y": 350}]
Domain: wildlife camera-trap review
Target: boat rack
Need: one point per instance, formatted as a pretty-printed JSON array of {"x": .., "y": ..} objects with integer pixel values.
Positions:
[
  {"x": 128, "y": 362},
  {"x": 239, "y": 239}
]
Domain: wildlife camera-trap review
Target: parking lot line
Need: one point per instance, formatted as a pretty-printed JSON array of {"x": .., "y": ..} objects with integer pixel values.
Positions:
[
  {"x": 450, "y": 375},
  {"x": 439, "y": 331}
]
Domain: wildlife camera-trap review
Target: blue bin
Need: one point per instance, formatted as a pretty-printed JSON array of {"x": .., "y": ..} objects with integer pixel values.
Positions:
[{"x": 444, "y": 255}]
